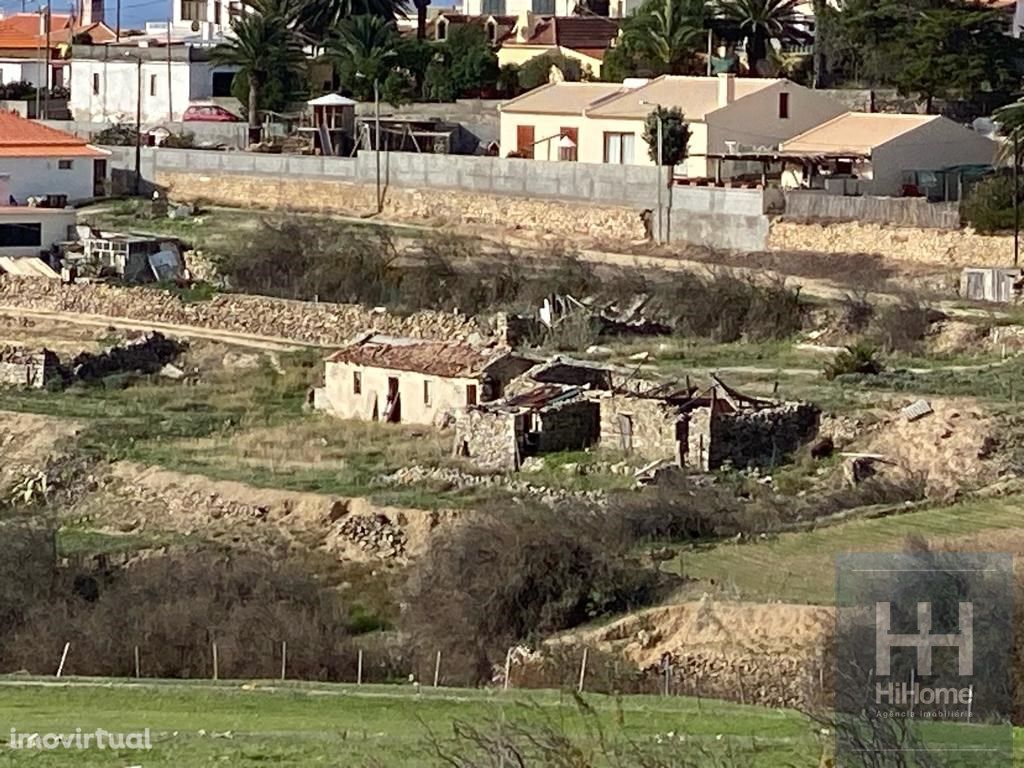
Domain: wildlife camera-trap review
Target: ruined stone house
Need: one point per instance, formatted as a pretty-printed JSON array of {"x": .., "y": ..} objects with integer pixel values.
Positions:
[
  {"x": 545, "y": 419},
  {"x": 396, "y": 379},
  {"x": 705, "y": 429},
  {"x": 28, "y": 368}
]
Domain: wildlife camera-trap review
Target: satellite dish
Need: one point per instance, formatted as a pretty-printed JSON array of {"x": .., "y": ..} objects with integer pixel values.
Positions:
[{"x": 195, "y": 26}]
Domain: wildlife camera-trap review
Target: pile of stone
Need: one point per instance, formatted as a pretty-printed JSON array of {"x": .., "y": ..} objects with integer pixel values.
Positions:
[
  {"x": 376, "y": 535},
  {"x": 456, "y": 479},
  {"x": 147, "y": 354}
]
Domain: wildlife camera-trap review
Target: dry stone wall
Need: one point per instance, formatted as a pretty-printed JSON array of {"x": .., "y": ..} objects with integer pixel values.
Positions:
[
  {"x": 315, "y": 323},
  {"x": 763, "y": 437},
  {"x": 297, "y": 193},
  {"x": 948, "y": 248}
]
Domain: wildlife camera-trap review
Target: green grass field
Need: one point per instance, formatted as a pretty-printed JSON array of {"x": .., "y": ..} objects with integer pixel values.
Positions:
[
  {"x": 800, "y": 567},
  {"x": 204, "y": 724}
]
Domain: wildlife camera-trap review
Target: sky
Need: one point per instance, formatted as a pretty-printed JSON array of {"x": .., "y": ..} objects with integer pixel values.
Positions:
[{"x": 134, "y": 13}]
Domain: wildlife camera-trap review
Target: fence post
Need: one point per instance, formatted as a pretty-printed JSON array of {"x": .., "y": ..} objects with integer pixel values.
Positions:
[
  {"x": 437, "y": 669},
  {"x": 216, "y": 670},
  {"x": 138, "y": 668},
  {"x": 359, "y": 668},
  {"x": 63, "y": 658},
  {"x": 284, "y": 658},
  {"x": 583, "y": 671},
  {"x": 508, "y": 668}
]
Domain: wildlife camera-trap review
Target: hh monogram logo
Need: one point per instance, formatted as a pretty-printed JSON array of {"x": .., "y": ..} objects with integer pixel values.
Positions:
[{"x": 924, "y": 641}]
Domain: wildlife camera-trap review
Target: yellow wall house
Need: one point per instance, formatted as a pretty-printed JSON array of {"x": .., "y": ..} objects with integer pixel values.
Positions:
[
  {"x": 584, "y": 38},
  {"x": 401, "y": 380},
  {"x": 604, "y": 122}
]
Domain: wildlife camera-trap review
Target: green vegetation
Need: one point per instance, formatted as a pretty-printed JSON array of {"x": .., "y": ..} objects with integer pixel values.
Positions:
[
  {"x": 799, "y": 567},
  {"x": 291, "y": 724}
]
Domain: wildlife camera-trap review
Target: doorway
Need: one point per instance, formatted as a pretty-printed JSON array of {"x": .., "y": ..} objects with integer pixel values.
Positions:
[
  {"x": 393, "y": 409},
  {"x": 99, "y": 178}
]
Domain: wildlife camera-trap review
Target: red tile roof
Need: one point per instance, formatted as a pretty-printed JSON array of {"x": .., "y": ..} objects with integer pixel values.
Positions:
[
  {"x": 435, "y": 358},
  {"x": 25, "y": 30},
  {"x": 26, "y": 138},
  {"x": 582, "y": 33}
]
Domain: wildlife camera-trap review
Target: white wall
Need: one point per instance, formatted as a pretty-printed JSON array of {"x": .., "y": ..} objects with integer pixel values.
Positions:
[
  {"x": 56, "y": 225},
  {"x": 13, "y": 70},
  {"x": 342, "y": 401},
  {"x": 754, "y": 120},
  {"x": 37, "y": 176},
  {"x": 118, "y": 86},
  {"x": 935, "y": 145}
]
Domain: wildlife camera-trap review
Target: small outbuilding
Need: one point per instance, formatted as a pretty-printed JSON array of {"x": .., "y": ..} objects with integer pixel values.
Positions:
[{"x": 415, "y": 381}]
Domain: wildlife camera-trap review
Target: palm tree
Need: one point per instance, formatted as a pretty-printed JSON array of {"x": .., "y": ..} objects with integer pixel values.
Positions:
[
  {"x": 318, "y": 17},
  {"x": 262, "y": 47},
  {"x": 365, "y": 49},
  {"x": 666, "y": 33},
  {"x": 762, "y": 21}
]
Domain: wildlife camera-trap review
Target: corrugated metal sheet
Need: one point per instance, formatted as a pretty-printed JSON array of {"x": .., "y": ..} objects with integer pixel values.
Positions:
[{"x": 27, "y": 266}]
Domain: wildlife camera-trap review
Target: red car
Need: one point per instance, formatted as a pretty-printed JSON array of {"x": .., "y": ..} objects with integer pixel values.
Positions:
[{"x": 209, "y": 113}]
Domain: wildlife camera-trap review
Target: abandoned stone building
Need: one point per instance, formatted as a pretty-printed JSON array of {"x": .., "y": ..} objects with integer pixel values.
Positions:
[
  {"x": 395, "y": 379},
  {"x": 545, "y": 419},
  {"x": 705, "y": 430},
  {"x": 28, "y": 368}
]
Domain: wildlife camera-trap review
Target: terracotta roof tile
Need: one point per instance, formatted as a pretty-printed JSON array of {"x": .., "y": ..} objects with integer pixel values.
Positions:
[
  {"x": 26, "y": 138},
  {"x": 24, "y": 30},
  {"x": 435, "y": 358}
]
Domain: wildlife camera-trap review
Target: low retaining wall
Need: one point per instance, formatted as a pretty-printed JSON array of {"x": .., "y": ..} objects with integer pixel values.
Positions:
[
  {"x": 315, "y": 323},
  {"x": 319, "y": 196},
  {"x": 801, "y": 205},
  {"x": 960, "y": 248}
]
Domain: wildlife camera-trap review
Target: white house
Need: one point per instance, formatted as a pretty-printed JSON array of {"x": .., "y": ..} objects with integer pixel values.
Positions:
[
  {"x": 615, "y": 8},
  {"x": 41, "y": 161},
  {"x": 106, "y": 81},
  {"x": 875, "y": 149},
  {"x": 604, "y": 122}
]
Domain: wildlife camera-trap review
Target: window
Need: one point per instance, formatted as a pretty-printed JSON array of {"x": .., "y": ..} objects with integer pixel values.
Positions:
[
  {"x": 783, "y": 106},
  {"x": 428, "y": 394},
  {"x": 566, "y": 135},
  {"x": 221, "y": 84},
  {"x": 442, "y": 30},
  {"x": 492, "y": 31},
  {"x": 471, "y": 394},
  {"x": 216, "y": 12},
  {"x": 618, "y": 148},
  {"x": 152, "y": 85},
  {"x": 65, "y": 165},
  {"x": 357, "y": 383},
  {"x": 193, "y": 10},
  {"x": 493, "y": 8},
  {"x": 235, "y": 10},
  {"x": 544, "y": 7},
  {"x": 21, "y": 235},
  {"x": 1, "y": 77},
  {"x": 96, "y": 84}
]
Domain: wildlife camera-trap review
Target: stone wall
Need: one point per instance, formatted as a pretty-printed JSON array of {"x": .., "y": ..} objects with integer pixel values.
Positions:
[
  {"x": 322, "y": 196},
  {"x": 957, "y": 248},
  {"x": 653, "y": 425},
  {"x": 759, "y": 438},
  {"x": 315, "y": 323},
  {"x": 28, "y": 368},
  {"x": 488, "y": 438}
]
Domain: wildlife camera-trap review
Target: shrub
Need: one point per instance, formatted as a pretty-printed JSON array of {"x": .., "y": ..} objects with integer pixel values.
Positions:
[
  {"x": 536, "y": 71},
  {"x": 117, "y": 135},
  {"x": 902, "y": 327},
  {"x": 988, "y": 207},
  {"x": 856, "y": 358},
  {"x": 516, "y": 575}
]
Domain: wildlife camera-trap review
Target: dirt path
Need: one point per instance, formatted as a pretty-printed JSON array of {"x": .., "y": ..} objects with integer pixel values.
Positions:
[{"x": 252, "y": 341}]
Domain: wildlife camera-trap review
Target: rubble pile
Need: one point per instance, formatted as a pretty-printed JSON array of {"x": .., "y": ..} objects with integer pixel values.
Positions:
[
  {"x": 375, "y": 534},
  {"x": 454, "y": 478}
]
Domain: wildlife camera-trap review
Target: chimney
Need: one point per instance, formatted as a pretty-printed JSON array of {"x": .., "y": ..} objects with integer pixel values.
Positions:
[
  {"x": 523, "y": 26},
  {"x": 90, "y": 12},
  {"x": 726, "y": 89}
]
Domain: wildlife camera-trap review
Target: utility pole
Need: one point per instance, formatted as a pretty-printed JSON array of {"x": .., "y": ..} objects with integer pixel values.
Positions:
[
  {"x": 49, "y": 68},
  {"x": 117, "y": 24},
  {"x": 138, "y": 124},
  {"x": 170, "y": 89},
  {"x": 376, "y": 141},
  {"x": 39, "y": 63},
  {"x": 1016, "y": 196}
]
